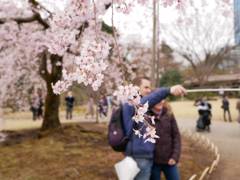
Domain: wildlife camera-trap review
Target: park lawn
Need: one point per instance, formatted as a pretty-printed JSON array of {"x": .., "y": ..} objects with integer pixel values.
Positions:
[
  {"x": 79, "y": 152},
  {"x": 182, "y": 110}
]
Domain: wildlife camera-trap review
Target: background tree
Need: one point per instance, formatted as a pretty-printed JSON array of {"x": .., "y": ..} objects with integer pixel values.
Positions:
[
  {"x": 171, "y": 77},
  {"x": 201, "y": 37}
]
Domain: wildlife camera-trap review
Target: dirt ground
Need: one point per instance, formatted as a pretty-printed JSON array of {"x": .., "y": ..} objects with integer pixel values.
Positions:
[
  {"x": 227, "y": 138},
  {"x": 79, "y": 152}
]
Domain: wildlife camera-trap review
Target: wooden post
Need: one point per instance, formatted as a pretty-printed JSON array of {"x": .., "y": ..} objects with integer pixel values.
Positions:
[
  {"x": 204, "y": 173},
  {"x": 193, "y": 177}
]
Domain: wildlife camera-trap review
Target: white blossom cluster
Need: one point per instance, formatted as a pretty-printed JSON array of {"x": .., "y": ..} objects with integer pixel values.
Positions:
[
  {"x": 141, "y": 110},
  {"x": 89, "y": 65},
  {"x": 93, "y": 46},
  {"x": 130, "y": 94}
]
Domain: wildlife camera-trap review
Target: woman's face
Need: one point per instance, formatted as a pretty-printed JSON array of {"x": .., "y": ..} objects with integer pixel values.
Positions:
[{"x": 158, "y": 107}]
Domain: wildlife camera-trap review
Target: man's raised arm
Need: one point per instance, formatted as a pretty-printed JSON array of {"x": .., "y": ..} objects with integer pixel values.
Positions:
[{"x": 161, "y": 93}]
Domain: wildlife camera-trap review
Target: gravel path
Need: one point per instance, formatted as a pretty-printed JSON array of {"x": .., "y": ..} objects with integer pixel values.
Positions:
[{"x": 227, "y": 137}]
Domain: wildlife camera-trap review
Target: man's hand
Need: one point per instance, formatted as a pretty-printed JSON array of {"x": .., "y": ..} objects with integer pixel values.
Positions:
[
  {"x": 171, "y": 162},
  {"x": 178, "y": 90}
]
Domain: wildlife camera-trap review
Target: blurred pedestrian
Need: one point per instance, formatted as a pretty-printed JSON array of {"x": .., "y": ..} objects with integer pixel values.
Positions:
[
  {"x": 238, "y": 109},
  {"x": 34, "y": 106},
  {"x": 226, "y": 109},
  {"x": 103, "y": 106},
  {"x": 205, "y": 114},
  {"x": 109, "y": 101},
  {"x": 40, "y": 105},
  {"x": 69, "y": 99},
  {"x": 90, "y": 108},
  {"x": 1, "y": 120}
]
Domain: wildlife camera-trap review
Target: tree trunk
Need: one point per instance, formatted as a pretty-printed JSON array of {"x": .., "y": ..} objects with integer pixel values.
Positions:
[
  {"x": 52, "y": 102},
  {"x": 51, "y": 114}
]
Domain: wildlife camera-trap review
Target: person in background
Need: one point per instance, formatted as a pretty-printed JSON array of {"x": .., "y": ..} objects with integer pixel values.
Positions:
[
  {"x": 205, "y": 114},
  {"x": 90, "y": 108},
  {"x": 103, "y": 106},
  {"x": 69, "y": 99},
  {"x": 225, "y": 107},
  {"x": 1, "y": 120},
  {"x": 168, "y": 146},
  {"x": 109, "y": 101},
  {"x": 238, "y": 109},
  {"x": 34, "y": 106},
  {"x": 40, "y": 105}
]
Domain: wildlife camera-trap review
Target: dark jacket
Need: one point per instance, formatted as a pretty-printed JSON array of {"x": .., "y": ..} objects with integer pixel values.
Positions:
[
  {"x": 69, "y": 101},
  {"x": 136, "y": 146},
  {"x": 169, "y": 144},
  {"x": 225, "y": 104}
]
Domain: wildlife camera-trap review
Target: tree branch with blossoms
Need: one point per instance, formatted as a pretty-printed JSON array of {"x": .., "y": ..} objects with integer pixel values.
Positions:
[
  {"x": 90, "y": 65},
  {"x": 73, "y": 37},
  {"x": 130, "y": 94}
]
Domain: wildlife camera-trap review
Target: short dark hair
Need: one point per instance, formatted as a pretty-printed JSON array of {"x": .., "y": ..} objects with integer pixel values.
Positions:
[{"x": 138, "y": 80}]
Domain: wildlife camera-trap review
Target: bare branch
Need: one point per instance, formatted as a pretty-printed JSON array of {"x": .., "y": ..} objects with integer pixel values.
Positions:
[
  {"x": 21, "y": 20},
  {"x": 36, "y": 5}
]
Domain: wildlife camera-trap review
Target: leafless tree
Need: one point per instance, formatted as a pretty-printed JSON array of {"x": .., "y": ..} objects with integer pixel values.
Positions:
[{"x": 202, "y": 35}]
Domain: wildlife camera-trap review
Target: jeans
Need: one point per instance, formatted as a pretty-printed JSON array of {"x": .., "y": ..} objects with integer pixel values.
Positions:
[
  {"x": 170, "y": 172},
  {"x": 145, "y": 166}
]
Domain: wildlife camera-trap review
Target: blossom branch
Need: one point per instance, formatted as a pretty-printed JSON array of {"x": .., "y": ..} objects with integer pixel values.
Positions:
[{"x": 131, "y": 95}]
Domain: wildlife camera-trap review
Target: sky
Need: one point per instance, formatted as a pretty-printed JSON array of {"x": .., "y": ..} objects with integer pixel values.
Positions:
[{"x": 137, "y": 26}]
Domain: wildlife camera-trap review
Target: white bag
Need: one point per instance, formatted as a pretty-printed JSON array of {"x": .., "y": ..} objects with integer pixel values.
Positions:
[{"x": 127, "y": 169}]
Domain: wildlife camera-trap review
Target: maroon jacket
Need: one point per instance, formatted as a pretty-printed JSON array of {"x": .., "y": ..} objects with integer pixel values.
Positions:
[{"x": 169, "y": 144}]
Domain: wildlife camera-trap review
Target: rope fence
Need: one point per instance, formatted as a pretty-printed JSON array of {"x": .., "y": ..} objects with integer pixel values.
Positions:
[{"x": 207, "y": 144}]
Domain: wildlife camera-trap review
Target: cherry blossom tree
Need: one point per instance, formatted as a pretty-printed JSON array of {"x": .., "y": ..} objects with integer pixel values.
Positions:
[{"x": 62, "y": 46}]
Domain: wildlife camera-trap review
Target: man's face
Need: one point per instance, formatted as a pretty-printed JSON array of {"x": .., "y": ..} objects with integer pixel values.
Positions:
[{"x": 145, "y": 87}]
